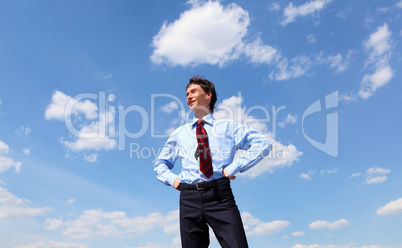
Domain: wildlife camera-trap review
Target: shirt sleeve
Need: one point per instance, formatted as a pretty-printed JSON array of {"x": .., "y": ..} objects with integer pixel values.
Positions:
[
  {"x": 254, "y": 145},
  {"x": 165, "y": 162}
]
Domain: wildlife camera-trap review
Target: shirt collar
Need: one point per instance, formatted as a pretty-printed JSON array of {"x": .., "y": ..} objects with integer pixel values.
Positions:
[{"x": 208, "y": 119}]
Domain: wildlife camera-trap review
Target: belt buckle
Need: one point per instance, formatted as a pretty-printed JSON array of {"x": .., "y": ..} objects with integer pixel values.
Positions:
[{"x": 198, "y": 187}]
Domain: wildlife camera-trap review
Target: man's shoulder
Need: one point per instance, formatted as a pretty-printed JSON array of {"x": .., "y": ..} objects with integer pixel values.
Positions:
[
  {"x": 226, "y": 122},
  {"x": 181, "y": 129}
]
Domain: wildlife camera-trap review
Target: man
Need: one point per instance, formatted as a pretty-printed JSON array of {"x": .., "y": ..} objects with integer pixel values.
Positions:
[{"x": 207, "y": 149}]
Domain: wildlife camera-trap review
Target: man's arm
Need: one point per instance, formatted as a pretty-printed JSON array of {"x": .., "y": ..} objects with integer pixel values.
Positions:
[
  {"x": 255, "y": 145},
  {"x": 165, "y": 162}
]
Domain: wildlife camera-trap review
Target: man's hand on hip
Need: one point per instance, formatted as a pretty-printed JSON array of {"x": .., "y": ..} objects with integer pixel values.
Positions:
[
  {"x": 226, "y": 174},
  {"x": 176, "y": 184}
]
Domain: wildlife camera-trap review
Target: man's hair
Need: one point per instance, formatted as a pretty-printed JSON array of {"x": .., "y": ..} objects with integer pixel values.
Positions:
[{"x": 207, "y": 86}]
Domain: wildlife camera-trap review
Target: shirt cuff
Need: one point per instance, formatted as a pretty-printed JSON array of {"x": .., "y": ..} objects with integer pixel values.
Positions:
[
  {"x": 171, "y": 178},
  {"x": 232, "y": 169}
]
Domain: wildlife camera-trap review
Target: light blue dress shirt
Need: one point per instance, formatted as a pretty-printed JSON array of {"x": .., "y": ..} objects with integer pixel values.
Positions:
[{"x": 225, "y": 138}]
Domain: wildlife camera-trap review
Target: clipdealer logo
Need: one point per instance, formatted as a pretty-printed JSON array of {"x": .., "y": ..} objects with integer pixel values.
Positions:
[
  {"x": 107, "y": 126},
  {"x": 330, "y": 146}
]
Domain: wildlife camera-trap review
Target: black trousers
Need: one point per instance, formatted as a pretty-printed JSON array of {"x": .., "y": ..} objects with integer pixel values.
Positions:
[{"x": 215, "y": 207}]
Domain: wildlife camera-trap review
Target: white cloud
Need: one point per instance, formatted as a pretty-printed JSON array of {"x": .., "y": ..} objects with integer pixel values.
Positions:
[
  {"x": 298, "y": 234},
  {"x": 292, "y": 12},
  {"x": 106, "y": 76},
  {"x": 393, "y": 207},
  {"x": 297, "y": 67},
  {"x": 151, "y": 245},
  {"x": 328, "y": 171},
  {"x": 268, "y": 227},
  {"x": 13, "y": 207},
  {"x": 379, "y": 46},
  {"x": 53, "y": 224},
  {"x": 344, "y": 246},
  {"x": 273, "y": 7},
  {"x": 355, "y": 174},
  {"x": 70, "y": 201},
  {"x": 311, "y": 38},
  {"x": 307, "y": 175},
  {"x": 4, "y": 148},
  {"x": 211, "y": 33},
  {"x": 259, "y": 53},
  {"x": 94, "y": 224},
  {"x": 23, "y": 130},
  {"x": 280, "y": 156},
  {"x": 89, "y": 136},
  {"x": 170, "y": 107},
  {"x": 176, "y": 121},
  {"x": 382, "y": 246},
  {"x": 26, "y": 151},
  {"x": 383, "y": 10},
  {"x": 300, "y": 65},
  {"x": 290, "y": 119},
  {"x": 378, "y": 179},
  {"x": 254, "y": 226},
  {"x": 323, "y": 224},
  {"x": 371, "y": 82},
  {"x": 207, "y": 33},
  {"x": 56, "y": 109},
  {"x": 97, "y": 144},
  {"x": 343, "y": 13},
  {"x": 378, "y": 170},
  {"x": 398, "y": 4},
  {"x": 376, "y": 175},
  {"x": 322, "y": 246},
  {"x": 347, "y": 98},
  {"x": 52, "y": 244},
  {"x": 91, "y": 158},
  {"x": 310, "y": 173},
  {"x": 339, "y": 63},
  {"x": 7, "y": 163}
]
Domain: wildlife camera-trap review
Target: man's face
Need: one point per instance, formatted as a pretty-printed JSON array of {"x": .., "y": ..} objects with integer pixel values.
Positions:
[{"x": 197, "y": 98}]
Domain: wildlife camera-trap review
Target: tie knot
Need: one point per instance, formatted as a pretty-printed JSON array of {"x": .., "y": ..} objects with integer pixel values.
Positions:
[{"x": 200, "y": 122}]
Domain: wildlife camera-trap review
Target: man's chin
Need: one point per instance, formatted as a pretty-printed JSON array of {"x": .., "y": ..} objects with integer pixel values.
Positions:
[{"x": 193, "y": 107}]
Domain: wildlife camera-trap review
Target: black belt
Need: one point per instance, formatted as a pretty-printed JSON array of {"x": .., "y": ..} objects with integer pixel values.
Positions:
[{"x": 205, "y": 185}]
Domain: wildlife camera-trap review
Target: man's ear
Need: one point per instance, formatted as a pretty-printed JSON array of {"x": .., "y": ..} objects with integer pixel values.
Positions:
[{"x": 209, "y": 95}]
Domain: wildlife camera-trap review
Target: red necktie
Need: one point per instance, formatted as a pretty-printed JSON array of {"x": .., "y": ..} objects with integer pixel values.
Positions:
[{"x": 203, "y": 150}]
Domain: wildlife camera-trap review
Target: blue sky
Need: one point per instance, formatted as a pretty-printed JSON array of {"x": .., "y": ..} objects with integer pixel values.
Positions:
[{"x": 90, "y": 90}]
